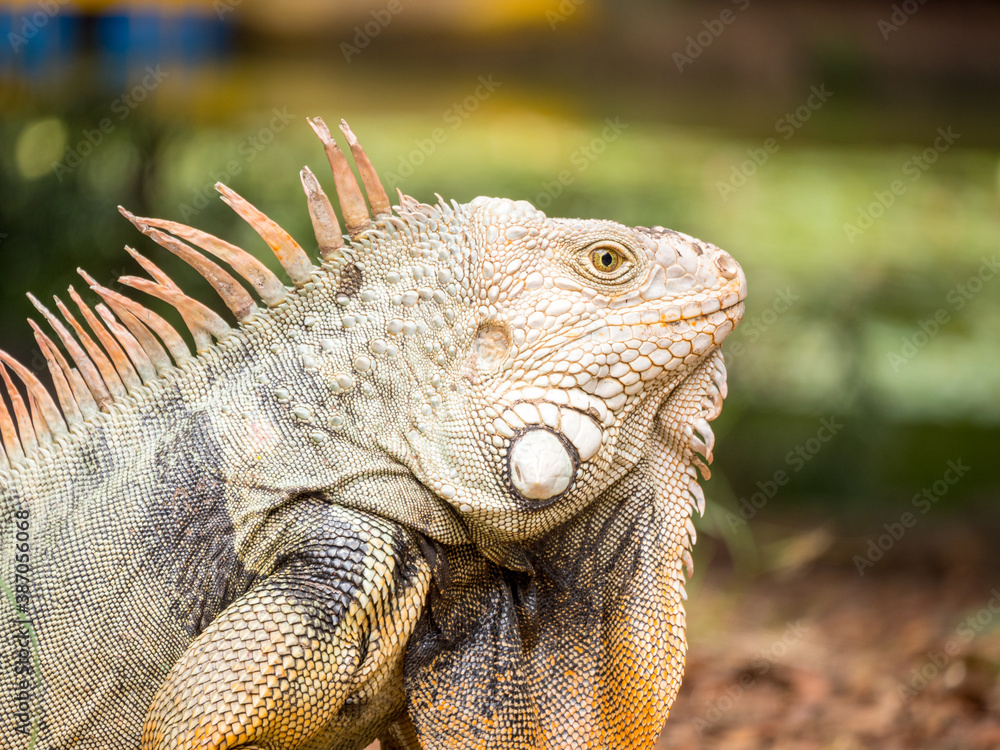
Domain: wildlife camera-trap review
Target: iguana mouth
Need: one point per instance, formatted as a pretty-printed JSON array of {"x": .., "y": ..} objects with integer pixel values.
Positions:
[
  {"x": 672, "y": 313},
  {"x": 553, "y": 433}
]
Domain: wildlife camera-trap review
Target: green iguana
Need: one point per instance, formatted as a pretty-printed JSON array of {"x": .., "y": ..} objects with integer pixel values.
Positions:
[{"x": 438, "y": 491}]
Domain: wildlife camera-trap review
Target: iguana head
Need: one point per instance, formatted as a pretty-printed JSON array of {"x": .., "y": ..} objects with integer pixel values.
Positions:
[{"x": 555, "y": 343}]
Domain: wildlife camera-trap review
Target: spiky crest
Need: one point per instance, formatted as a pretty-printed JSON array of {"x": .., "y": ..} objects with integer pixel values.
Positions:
[{"x": 134, "y": 346}]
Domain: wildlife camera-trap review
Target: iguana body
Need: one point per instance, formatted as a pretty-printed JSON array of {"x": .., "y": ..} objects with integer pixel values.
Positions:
[{"x": 438, "y": 492}]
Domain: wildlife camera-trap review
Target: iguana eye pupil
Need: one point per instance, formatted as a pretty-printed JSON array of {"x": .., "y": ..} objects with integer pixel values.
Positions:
[{"x": 606, "y": 260}]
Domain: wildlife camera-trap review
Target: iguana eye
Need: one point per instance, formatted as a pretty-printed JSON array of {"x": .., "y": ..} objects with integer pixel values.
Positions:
[
  {"x": 606, "y": 262},
  {"x": 606, "y": 259}
]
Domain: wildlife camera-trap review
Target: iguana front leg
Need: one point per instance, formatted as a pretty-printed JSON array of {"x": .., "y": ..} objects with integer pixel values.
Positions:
[{"x": 325, "y": 629}]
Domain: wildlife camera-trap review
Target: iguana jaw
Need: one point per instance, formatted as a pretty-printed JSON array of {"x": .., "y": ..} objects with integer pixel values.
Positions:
[{"x": 592, "y": 425}]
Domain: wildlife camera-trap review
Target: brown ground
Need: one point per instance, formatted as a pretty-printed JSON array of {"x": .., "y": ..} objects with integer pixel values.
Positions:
[{"x": 821, "y": 658}]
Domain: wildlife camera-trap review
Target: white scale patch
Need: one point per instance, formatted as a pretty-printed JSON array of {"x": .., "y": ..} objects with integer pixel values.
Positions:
[{"x": 540, "y": 466}]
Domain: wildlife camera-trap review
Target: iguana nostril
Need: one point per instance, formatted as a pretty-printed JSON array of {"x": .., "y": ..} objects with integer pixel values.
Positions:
[
  {"x": 726, "y": 265},
  {"x": 540, "y": 465}
]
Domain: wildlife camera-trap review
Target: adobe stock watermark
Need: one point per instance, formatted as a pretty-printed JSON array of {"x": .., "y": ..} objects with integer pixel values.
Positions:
[
  {"x": 914, "y": 168},
  {"x": 581, "y": 159},
  {"x": 363, "y": 34},
  {"x": 901, "y": 13},
  {"x": 760, "y": 665},
  {"x": 24, "y": 666},
  {"x": 123, "y": 106},
  {"x": 958, "y": 297},
  {"x": 922, "y": 502},
  {"x": 712, "y": 30},
  {"x": 32, "y": 23},
  {"x": 753, "y": 328},
  {"x": 249, "y": 149},
  {"x": 795, "y": 461},
  {"x": 455, "y": 116},
  {"x": 565, "y": 10},
  {"x": 224, "y": 7},
  {"x": 786, "y": 126},
  {"x": 937, "y": 662}
]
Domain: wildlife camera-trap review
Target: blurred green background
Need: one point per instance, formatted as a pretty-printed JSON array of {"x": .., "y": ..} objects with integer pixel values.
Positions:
[{"x": 846, "y": 153}]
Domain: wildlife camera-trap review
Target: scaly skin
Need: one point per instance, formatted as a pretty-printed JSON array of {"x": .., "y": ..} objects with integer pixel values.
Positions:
[{"x": 440, "y": 492}]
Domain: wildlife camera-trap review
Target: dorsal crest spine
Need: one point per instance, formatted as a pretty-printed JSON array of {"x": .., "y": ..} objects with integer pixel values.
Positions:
[{"x": 125, "y": 345}]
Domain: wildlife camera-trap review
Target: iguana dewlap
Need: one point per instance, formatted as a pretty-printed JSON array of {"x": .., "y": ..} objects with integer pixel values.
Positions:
[{"x": 438, "y": 490}]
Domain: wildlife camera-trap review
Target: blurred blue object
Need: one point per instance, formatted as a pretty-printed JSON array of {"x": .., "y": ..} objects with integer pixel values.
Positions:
[
  {"x": 128, "y": 42},
  {"x": 37, "y": 44},
  {"x": 44, "y": 44}
]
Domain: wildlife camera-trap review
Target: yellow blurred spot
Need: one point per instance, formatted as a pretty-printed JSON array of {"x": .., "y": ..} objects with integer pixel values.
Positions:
[
  {"x": 39, "y": 147},
  {"x": 493, "y": 15},
  {"x": 359, "y": 23}
]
